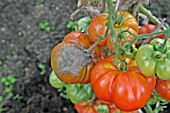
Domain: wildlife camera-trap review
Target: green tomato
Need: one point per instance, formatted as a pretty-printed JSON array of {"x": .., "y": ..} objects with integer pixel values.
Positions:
[
  {"x": 151, "y": 60},
  {"x": 55, "y": 81},
  {"x": 79, "y": 93}
]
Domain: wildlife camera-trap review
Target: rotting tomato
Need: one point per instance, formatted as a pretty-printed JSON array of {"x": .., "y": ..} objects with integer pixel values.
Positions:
[
  {"x": 112, "y": 85},
  {"x": 79, "y": 93},
  {"x": 98, "y": 53},
  {"x": 151, "y": 60},
  {"x": 163, "y": 88},
  {"x": 70, "y": 63}
]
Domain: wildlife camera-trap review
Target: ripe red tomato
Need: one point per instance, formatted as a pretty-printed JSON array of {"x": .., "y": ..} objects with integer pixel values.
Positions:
[
  {"x": 78, "y": 38},
  {"x": 85, "y": 108},
  {"x": 98, "y": 27},
  {"x": 163, "y": 88},
  {"x": 149, "y": 28},
  {"x": 121, "y": 88},
  {"x": 128, "y": 22}
]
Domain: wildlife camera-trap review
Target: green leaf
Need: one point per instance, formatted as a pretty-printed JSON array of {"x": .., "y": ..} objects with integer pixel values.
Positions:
[
  {"x": 11, "y": 79},
  {"x": 1, "y": 98},
  {"x": 42, "y": 72},
  {"x": 42, "y": 26},
  {"x": 41, "y": 66},
  {"x": 64, "y": 95},
  {"x": 17, "y": 97},
  {"x": 8, "y": 90},
  {"x": 10, "y": 94},
  {"x": 7, "y": 83},
  {"x": 0, "y": 62},
  {"x": 3, "y": 79}
]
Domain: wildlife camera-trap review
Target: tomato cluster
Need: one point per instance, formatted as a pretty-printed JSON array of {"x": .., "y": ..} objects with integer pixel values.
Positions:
[{"x": 87, "y": 67}]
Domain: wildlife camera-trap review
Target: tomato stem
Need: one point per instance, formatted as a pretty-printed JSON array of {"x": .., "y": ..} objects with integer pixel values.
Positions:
[
  {"x": 149, "y": 108},
  {"x": 167, "y": 34},
  {"x": 98, "y": 41},
  {"x": 111, "y": 21},
  {"x": 146, "y": 12}
]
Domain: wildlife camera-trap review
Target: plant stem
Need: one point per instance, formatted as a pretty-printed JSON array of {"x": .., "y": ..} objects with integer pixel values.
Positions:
[
  {"x": 148, "y": 108},
  {"x": 111, "y": 21},
  {"x": 98, "y": 41},
  {"x": 137, "y": 37},
  {"x": 144, "y": 11},
  {"x": 167, "y": 34}
]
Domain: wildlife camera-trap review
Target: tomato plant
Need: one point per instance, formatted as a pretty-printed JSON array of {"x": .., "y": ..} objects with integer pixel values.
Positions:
[
  {"x": 163, "y": 88},
  {"x": 151, "y": 60},
  {"x": 112, "y": 85},
  {"x": 104, "y": 60}
]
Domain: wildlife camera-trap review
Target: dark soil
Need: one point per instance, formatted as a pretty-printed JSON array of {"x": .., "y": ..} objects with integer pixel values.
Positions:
[{"x": 23, "y": 46}]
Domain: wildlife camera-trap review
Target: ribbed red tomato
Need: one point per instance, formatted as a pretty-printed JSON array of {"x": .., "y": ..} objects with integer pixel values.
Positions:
[{"x": 122, "y": 88}]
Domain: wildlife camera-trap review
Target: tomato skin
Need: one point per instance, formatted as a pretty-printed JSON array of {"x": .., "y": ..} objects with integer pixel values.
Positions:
[
  {"x": 78, "y": 38},
  {"x": 149, "y": 28},
  {"x": 163, "y": 88},
  {"x": 98, "y": 54},
  {"x": 79, "y": 93},
  {"x": 55, "y": 81},
  {"x": 97, "y": 26},
  {"x": 111, "y": 85},
  {"x": 88, "y": 108},
  {"x": 128, "y": 20},
  {"x": 149, "y": 64},
  {"x": 83, "y": 108}
]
